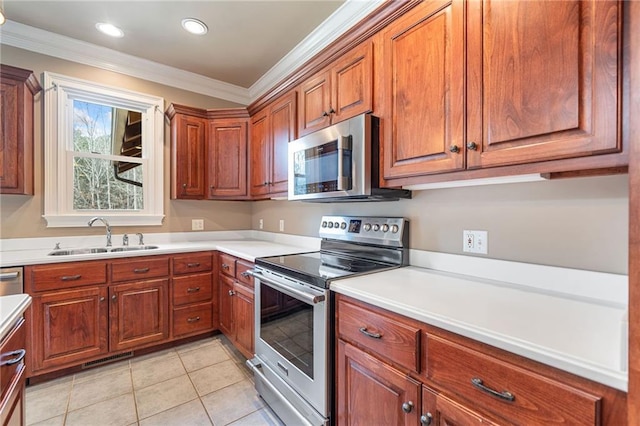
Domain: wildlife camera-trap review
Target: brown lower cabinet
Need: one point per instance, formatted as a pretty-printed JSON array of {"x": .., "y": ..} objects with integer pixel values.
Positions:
[
  {"x": 237, "y": 303},
  {"x": 456, "y": 381},
  {"x": 86, "y": 311},
  {"x": 12, "y": 376}
]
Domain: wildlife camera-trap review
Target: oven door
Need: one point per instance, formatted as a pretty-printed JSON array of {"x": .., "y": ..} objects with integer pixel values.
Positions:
[{"x": 292, "y": 336}]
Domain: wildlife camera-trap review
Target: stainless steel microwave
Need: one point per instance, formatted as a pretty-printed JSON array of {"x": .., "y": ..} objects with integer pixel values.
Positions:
[{"x": 339, "y": 163}]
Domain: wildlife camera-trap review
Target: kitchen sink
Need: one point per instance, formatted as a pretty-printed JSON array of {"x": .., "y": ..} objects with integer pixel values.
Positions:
[
  {"x": 78, "y": 251},
  {"x": 132, "y": 248},
  {"x": 95, "y": 250}
]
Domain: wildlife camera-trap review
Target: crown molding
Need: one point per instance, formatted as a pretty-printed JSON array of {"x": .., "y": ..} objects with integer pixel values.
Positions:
[
  {"x": 47, "y": 43},
  {"x": 346, "y": 16}
]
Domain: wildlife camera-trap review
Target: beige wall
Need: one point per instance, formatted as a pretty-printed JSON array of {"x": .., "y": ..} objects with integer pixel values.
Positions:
[
  {"x": 21, "y": 216},
  {"x": 578, "y": 223}
]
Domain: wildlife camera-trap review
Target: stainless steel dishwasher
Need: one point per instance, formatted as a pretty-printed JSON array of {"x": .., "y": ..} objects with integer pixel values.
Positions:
[{"x": 11, "y": 281}]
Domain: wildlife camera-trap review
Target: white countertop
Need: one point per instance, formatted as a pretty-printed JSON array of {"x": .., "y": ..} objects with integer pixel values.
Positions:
[
  {"x": 245, "y": 244},
  {"x": 585, "y": 336},
  {"x": 11, "y": 308}
]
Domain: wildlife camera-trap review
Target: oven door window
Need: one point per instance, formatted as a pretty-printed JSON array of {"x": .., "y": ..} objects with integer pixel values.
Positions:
[
  {"x": 323, "y": 168},
  {"x": 286, "y": 325}
]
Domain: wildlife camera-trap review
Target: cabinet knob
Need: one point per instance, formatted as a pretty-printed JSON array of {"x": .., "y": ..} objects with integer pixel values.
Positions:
[
  {"x": 114, "y": 297},
  {"x": 184, "y": 186},
  {"x": 212, "y": 187},
  {"x": 325, "y": 114},
  {"x": 472, "y": 146},
  {"x": 231, "y": 292},
  {"x": 332, "y": 111},
  {"x": 454, "y": 148},
  {"x": 102, "y": 299},
  {"x": 407, "y": 407},
  {"x": 266, "y": 183},
  {"x": 426, "y": 419}
]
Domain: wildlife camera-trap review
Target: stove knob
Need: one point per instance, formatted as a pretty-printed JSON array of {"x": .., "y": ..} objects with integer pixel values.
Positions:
[
  {"x": 343, "y": 225},
  {"x": 324, "y": 224},
  {"x": 394, "y": 228},
  {"x": 385, "y": 228},
  {"x": 336, "y": 225},
  {"x": 376, "y": 227},
  {"x": 367, "y": 227},
  {"x": 330, "y": 224}
]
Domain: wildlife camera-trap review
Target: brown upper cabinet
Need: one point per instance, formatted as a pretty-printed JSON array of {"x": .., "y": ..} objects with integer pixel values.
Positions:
[
  {"x": 208, "y": 153},
  {"x": 541, "y": 83},
  {"x": 272, "y": 128},
  {"x": 227, "y": 152},
  {"x": 342, "y": 90},
  {"x": 188, "y": 147},
  {"x": 17, "y": 90}
]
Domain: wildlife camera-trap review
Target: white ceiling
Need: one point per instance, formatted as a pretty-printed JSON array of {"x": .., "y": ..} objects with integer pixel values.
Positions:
[{"x": 246, "y": 39}]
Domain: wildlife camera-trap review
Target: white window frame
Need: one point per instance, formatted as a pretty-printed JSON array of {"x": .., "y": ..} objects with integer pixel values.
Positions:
[{"x": 60, "y": 91}]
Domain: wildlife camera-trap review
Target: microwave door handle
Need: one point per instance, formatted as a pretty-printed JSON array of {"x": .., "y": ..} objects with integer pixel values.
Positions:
[
  {"x": 308, "y": 298},
  {"x": 345, "y": 144}
]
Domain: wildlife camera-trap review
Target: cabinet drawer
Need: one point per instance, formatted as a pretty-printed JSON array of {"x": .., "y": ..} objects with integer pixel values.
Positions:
[
  {"x": 241, "y": 273},
  {"x": 227, "y": 264},
  {"x": 192, "y": 319},
  {"x": 192, "y": 288},
  {"x": 194, "y": 262},
  {"x": 12, "y": 354},
  {"x": 66, "y": 275},
  {"x": 387, "y": 336},
  {"x": 536, "y": 399},
  {"x": 141, "y": 268}
]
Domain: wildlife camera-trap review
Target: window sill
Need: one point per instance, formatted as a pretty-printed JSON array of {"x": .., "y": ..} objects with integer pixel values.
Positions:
[{"x": 81, "y": 220}]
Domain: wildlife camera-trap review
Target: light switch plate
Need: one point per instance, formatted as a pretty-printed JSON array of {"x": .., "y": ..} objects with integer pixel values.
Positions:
[{"x": 197, "y": 224}]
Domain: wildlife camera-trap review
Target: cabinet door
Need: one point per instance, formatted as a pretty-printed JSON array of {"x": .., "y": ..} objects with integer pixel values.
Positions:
[
  {"x": 370, "y": 392},
  {"x": 315, "y": 103},
  {"x": 188, "y": 157},
  {"x": 225, "y": 286},
  {"x": 352, "y": 83},
  {"x": 283, "y": 131},
  {"x": 69, "y": 327},
  {"x": 139, "y": 313},
  {"x": 438, "y": 410},
  {"x": 11, "y": 144},
  {"x": 227, "y": 158},
  {"x": 542, "y": 80},
  {"x": 423, "y": 91},
  {"x": 243, "y": 318},
  {"x": 260, "y": 153}
]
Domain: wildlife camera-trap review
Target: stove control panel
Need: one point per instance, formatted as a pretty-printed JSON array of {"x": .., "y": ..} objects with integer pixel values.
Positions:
[{"x": 366, "y": 229}]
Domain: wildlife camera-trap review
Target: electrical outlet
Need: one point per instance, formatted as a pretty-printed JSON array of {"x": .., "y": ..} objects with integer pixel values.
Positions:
[
  {"x": 197, "y": 224},
  {"x": 261, "y": 224},
  {"x": 475, "y": 241},
  {"x": 281, "y": 225}
]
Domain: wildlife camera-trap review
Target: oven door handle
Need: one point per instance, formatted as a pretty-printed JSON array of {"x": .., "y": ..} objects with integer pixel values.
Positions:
[{"x": 308, "y": 298}]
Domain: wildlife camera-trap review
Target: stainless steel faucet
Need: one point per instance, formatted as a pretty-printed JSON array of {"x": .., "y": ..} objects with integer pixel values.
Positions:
[
  {"x": 106, "y": 224},
  {"x": 141, "y": 238},
  {"x": 125, "y": 240}
]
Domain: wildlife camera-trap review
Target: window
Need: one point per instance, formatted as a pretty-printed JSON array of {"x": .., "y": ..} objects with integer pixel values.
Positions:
[{"x": 103, "y": 154}]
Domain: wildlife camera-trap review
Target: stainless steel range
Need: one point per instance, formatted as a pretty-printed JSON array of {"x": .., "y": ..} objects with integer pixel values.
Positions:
[{"x": 293, "y": 365}]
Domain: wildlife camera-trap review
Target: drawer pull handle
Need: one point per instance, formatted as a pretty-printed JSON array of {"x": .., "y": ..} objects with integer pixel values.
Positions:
[
  {"x": 71, "y": 277},
  {"x": 507, "y": 396},
  {"x": 225, "y": 266},
  {"x": 364, "y": 331},
  {"x": 194, "y": 319},
  {"x": 193, "y": 289},
  {"x": 141, "y": 270},
  {"x": 407, "y": 407},
  {"x": 245, "y": 274},
  {"x": 20, "y": 356},
  {"x": 193, "y": 265}
]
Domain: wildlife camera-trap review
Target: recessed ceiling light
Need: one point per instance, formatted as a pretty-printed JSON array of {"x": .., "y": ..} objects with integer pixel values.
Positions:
[
  {"x": 2, "y": 18},
  {"x": 194, "y": 26},
  {"x": 110, "y": 30}
]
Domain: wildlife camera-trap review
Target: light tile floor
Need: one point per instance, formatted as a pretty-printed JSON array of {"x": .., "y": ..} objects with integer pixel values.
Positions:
[{"x": 200, "y": 383}]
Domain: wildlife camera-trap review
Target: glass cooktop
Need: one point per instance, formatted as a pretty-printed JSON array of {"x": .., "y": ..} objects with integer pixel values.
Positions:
[{"x": 319, "y": 268}]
